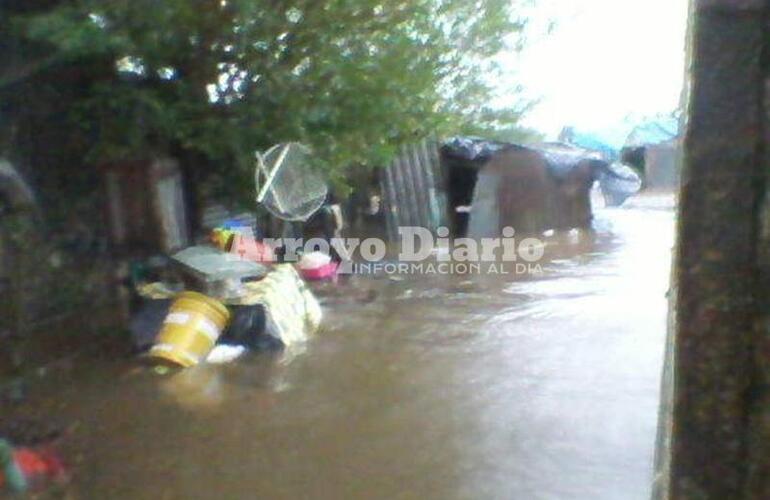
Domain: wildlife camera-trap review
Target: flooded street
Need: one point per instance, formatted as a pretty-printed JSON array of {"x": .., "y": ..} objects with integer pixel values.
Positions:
[{"x": 541, "y": 387}]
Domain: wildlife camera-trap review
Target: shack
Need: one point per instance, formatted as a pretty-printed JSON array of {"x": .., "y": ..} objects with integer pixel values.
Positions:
[
  {"x": 462, "y": 159},
  {"x": 654, "y": 149},
  {"x": 534, "y": 189}
]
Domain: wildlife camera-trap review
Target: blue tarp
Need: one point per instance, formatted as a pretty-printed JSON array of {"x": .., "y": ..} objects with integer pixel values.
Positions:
[
  {"x": 608, "y": 147},
  {"x": 611, "y": 141},
  {"x": 653, "y": 132}
]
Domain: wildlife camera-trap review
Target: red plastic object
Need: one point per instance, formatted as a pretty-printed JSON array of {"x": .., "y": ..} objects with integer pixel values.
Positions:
[
  {"x": 39, "y": 466},
  {"x": 326, "y": 272}
]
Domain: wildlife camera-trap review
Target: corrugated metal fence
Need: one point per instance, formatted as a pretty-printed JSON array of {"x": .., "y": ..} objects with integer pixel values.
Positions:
[{"x": 414, "y": 189}]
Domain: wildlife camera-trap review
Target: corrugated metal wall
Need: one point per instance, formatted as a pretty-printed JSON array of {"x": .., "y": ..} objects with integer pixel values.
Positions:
[{"x": 414, "y": 189}]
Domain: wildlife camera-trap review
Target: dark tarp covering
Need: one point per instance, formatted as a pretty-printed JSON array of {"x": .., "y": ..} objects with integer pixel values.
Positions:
[
  {"x": 618, "y": 182},
  {"x": 473, "y": 149},
  {"x": 561, "y": 158}
]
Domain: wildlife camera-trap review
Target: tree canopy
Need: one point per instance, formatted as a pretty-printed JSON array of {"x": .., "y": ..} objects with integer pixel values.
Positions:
[{"x": 223, "y": 78}]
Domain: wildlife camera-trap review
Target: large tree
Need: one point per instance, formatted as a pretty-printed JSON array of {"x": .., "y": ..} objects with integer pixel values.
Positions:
[{"x": 222, "y": 78}]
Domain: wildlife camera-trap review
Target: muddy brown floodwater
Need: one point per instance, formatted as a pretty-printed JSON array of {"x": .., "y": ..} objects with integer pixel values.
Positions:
[{"x": 460, "y": 387}]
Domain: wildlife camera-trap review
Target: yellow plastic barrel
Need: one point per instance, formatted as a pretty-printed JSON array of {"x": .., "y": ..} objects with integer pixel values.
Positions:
[{"x": 190, "y": 330}]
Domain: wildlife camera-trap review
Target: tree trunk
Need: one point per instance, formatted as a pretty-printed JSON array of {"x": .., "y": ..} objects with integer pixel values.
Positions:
[{"x": 720, "y": 432}]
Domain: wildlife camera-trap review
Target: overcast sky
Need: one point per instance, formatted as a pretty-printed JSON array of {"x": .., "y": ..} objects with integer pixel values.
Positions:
[{"x": 604, "y": 60}]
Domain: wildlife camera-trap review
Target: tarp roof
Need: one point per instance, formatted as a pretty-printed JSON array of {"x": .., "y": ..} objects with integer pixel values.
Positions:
[
  {"x": 602, "y": 143},
  {"x": 653, "y": 132}
]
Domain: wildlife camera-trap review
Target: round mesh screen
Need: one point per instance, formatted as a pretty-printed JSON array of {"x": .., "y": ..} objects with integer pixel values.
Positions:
[{"x": 287, "y": 185}]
